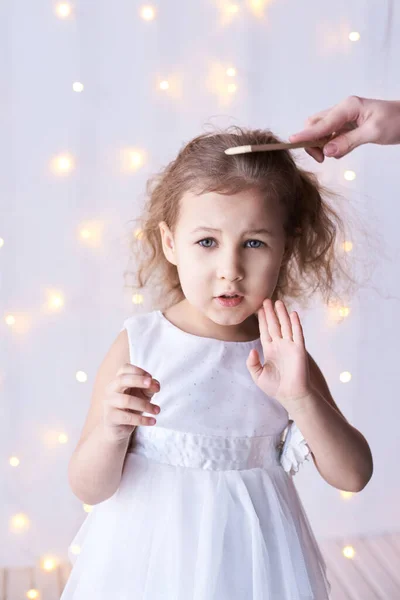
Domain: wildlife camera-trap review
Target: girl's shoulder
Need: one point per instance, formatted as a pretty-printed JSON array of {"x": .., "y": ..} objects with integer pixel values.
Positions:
[{"x": 140, "y": 322}]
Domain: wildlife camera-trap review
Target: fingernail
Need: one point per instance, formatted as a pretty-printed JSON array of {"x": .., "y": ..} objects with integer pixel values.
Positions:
[{"x": 330, "y": 149}]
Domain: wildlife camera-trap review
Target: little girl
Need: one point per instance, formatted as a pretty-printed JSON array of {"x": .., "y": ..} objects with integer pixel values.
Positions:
[{"x": 194, "y": 496}]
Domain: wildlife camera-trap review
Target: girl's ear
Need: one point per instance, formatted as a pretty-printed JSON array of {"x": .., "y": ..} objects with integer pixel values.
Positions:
[{"x": 168, "y": 245}]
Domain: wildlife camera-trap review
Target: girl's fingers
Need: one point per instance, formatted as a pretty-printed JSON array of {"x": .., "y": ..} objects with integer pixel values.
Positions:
[
  {"x": 286, "y": 325},
  {"x": 262, "y": 323},
  {"x": 135, "y": 403},
  {"x": 123, "y": 417},
  {"x": 272, "y": 320},
  {"x": 298, "y": 335},
  {"x": 127, "y": 380},
  {"x": 128, "y": 368}
]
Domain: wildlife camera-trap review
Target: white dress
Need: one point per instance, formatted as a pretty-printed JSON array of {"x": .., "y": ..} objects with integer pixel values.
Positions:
[{"x": 206, "y": 508}]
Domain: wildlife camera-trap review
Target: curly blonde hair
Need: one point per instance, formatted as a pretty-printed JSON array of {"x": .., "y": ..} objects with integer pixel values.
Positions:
[{"x": 315, "y": 259}]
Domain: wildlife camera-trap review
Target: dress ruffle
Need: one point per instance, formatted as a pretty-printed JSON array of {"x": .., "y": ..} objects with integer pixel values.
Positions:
[
  {"x": 295, "y": 449},
  {"x": 173, "y": 533}
]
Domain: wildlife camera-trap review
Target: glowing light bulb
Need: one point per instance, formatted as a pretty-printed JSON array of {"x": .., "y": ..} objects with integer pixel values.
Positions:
[
  {"x": 136, "y": 159},
  {"x": 63, "y": 438},
  {"x": 231, "y": 72},
  {"x": 55, "y": 301},
  {"x": 19, "y": 521},
  {"x": 49, "y": 564},
  {"x": 147, "y": 13},
  {"x": 354, "y": 36},
  {"x": 63, "y": 10},
  {"x": 14, "y": 461},
  {"x": 164, "y": 85},
  {"x": 345, "y": 377},
  {"x": 32, "y": 594},
  {"x": 10, "y": 320},
  {"x": 62, "y": 164},
  {"x": 77, "y": 86},
  {"x": 347, "y": 246},
  {"x": 344, "y": 311},
  {"x": 348, "y": 552},
  {"x": 1, "y": 242},
  {"x": 137, "y": 299},
  {"x": 349, "y": 175},
  {"x": 85, "y": 234},
  {"x": 81, "y": 376}
]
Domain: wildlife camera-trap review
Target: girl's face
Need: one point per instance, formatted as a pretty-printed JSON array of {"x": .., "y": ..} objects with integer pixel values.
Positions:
[{"x": 217, "y": 249}]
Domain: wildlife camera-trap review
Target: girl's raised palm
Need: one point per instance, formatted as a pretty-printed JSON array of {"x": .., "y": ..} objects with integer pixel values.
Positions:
[{"x": 285, "y": 374}]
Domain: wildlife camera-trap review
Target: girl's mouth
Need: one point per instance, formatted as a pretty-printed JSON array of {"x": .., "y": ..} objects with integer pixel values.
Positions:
[{"x": 229, "y": 301}]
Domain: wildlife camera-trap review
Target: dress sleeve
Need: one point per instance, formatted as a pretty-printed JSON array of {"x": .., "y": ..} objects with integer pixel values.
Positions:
[{"x": 294, "y": 449}]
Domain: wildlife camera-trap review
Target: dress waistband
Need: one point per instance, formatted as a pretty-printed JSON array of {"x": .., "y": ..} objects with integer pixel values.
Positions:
[{"x": 216, "y": 453}]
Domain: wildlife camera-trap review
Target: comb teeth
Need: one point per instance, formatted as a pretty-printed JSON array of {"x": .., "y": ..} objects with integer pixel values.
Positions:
[{"x": 238, "y": 150}]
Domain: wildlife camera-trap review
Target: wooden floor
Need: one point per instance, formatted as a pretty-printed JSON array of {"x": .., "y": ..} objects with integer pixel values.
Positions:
[{"x": 372, "y": 574}]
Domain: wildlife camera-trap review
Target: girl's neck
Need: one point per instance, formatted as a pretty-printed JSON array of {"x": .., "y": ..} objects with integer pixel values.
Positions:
[{"x": 185, "y": 317}]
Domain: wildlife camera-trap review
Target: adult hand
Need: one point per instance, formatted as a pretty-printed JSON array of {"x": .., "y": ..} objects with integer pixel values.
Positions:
[{"x": 352, "y": 122}]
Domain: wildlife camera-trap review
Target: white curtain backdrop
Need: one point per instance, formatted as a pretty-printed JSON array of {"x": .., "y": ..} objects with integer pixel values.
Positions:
[{"x": 63, "y": 299}]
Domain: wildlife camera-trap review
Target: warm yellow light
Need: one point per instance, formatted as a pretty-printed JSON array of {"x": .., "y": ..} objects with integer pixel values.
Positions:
[
  {"x": 90, "y": 233},
  {"x": 258, "y": 6},
  {"x": 147, "y": 13},
  {"x": 81, "y": 376},
  {"x": 75, "y": 549},
  {"x": 232, "y": 9},
  {"x": 344, "y": 311},
  {"x": 138, "y": 234},
  {"x": 19, "y": 521},
  {"x": 62, "y": 164},
  {"x": 348, "y": 551},
  {"x": 77, "y": 86},
  {"x": 137, "y": 299},
  {"x": 354, "y": 36},
  {"x": 136, "y": 159},
  {"x": 10, "y": 320},
  {"x": 231, "y": 72},
  {"x": 49, "y": 564},
  {"x": 133, "y": 159},
  {"x": 164, "y": 85},
  {"x": 349, "y": 175},
  {"x": 32, "y": 594},
  {"x": 55, "y": 302},
  {"x": 14, "y": 461},
  {"x": 232, "y": 88},
  {"x": 85, "y": 234},
  {"x": 1, "y": 242},
  {"x": 63, "y": 10},
  {"x": 345, "y": 377},
  {"x": 347, "y": 246},
  {"x": 346, "y": 495},
  {"x": 63, "y": 438},
  {"x": 87, "y": 508}
]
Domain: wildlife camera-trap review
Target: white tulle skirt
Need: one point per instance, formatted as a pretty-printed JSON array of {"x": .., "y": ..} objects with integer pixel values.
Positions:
[{"x": 210, "y": 531}]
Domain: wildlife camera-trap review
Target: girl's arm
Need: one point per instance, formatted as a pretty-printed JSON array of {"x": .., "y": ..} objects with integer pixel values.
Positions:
[
  {"x": 95, "y": 468},
  {"x": 340, "y": 452}
]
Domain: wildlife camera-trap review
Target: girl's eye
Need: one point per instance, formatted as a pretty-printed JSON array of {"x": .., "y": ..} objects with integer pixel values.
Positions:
[{"x": 212, "y": 239}]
